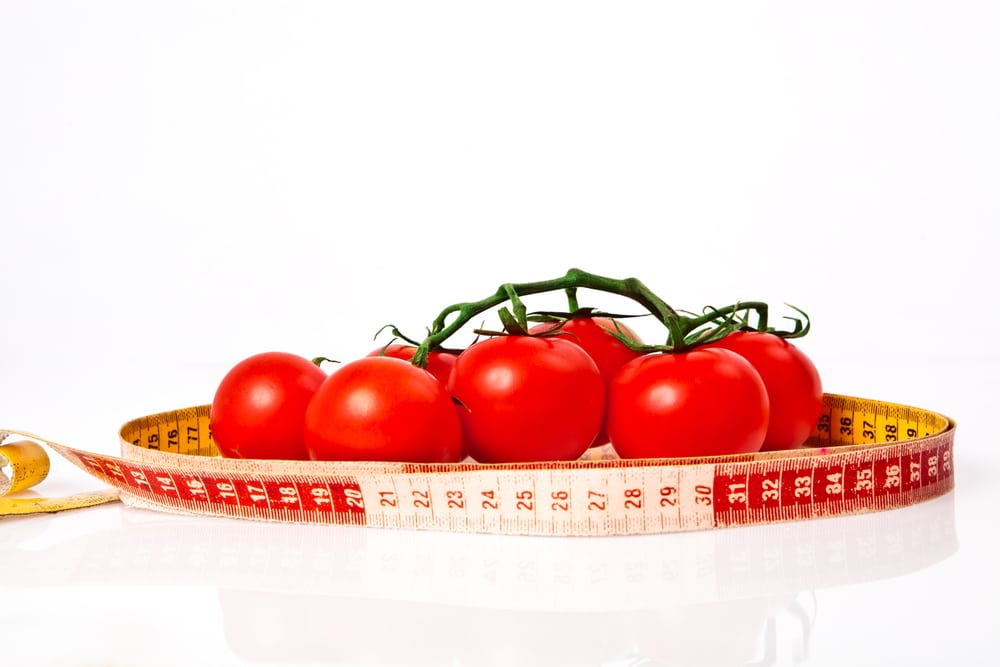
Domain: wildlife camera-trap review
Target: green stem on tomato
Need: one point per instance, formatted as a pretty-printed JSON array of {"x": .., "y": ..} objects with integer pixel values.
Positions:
[
  {"x": 520, "y": 312},
  {"x": 728, "y": 312},
  {"x": 572, "y": 303}
]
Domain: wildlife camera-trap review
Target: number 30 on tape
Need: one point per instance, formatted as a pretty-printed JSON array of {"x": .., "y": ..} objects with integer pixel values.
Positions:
[{"x": 863, "y": 455}]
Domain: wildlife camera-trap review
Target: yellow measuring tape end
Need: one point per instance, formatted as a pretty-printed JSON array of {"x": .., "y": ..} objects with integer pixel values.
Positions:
[
  {"x": 12, "y": 506},
  {"x": 29, "y": 465},
  {"x": 24, "y": 464}
]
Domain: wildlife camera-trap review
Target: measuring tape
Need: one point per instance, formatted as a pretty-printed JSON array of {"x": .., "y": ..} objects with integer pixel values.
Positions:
[
  {"x": 864, "y": 455},
  {"x": 29, "y": 465}
]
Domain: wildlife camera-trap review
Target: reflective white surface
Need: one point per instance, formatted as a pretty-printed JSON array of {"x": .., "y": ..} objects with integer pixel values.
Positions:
[
  {"x": 124, "y": 585},
  {"x": 183, "y": 184}
]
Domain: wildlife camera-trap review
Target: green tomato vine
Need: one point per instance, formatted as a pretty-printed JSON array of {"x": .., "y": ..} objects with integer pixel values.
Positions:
[{"x": 685, "y": 330}]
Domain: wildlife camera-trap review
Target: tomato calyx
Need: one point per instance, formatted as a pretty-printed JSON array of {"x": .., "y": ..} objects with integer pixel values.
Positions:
[
  {"x": 738, "y": 315},
  {"x": 422, "y": 360},
  {"x": 717, "y": 323}
]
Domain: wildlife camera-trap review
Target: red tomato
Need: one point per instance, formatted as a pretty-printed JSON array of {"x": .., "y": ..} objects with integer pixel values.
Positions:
[
  {"x": 439, "y": 364},
  {"x": 594, "y": 335},
  {"x": 259, "y": 406},
  {"x": 527, "y": 399},
  {"x": 793, "y": 385},
  {"x": 703, "y": 402},
  {"x": 382, "y": 409}
]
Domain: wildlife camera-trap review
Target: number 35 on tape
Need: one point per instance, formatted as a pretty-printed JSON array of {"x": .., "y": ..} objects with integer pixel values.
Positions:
[{"x": 864, "y": 455}]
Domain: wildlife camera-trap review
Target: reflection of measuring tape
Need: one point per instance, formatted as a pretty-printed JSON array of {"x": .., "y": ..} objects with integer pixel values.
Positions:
[
  {"x": 866, "y": 455},
  {"x": 480, "y": 570}
]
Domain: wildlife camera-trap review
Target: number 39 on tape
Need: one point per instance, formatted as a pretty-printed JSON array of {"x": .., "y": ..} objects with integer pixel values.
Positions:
[{"x": 864, "y": 455}]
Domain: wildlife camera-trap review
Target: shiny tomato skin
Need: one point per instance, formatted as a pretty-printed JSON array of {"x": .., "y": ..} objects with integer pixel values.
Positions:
[
  {"x": 526, "y": 398},
  {"x": 594, "y": 335},
  {"x": 704, "y": 402},
  {"x": 439, "y": 364},
  {"x": 793, "y": 385},
  {"x": 258, "y": 408},
  {"x": 382, "y": 409}
]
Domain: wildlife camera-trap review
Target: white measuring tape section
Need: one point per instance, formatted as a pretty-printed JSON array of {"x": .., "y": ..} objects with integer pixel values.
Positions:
[{"x": 864, "y": 455}]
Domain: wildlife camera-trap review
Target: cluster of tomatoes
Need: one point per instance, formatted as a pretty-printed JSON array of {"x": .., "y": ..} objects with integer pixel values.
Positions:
[{"x": 546, "y": 394}]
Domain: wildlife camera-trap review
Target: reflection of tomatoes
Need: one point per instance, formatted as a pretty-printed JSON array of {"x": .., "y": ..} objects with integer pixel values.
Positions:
[
  {"x": 594, "y": 335},
  {"x": 526, "y": 398},
  {"x": 259, "y": 406},
  {"x": 793, "y": 385},
  {"x": 439, "y": 364},
  {"x": 382, "y": 409},
  {"x": 702, "y": 402}
]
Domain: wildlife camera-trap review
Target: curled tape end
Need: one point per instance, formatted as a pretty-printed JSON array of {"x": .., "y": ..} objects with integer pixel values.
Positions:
[
  {"x": 25, "y": 464},
  {"x": 28, "y": 464}
]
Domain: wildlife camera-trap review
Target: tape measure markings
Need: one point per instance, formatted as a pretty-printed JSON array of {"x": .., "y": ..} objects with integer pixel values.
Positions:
[
  {"x": 879, "y": 478},
  {"x": 281, "y": 500},
  {"x": 838, "y": 424},
  {"x": 268, "y": 497},
  {"x": 562, "y": 501}
]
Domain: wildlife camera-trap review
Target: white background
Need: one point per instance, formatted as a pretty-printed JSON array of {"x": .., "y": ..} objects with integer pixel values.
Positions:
[{"x": 183, "y": 184}]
